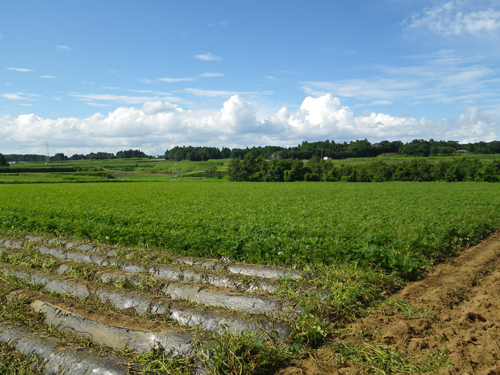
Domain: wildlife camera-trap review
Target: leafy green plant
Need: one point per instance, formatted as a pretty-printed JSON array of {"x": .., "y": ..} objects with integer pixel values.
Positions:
[
  {"x": 401, "y": 228},
  {"x": 245, "y": 354},
  {"x": 383, "y": 359}
]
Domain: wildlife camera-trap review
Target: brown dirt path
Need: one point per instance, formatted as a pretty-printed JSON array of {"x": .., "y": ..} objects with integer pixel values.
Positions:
[{"x": 463, "y": 295}]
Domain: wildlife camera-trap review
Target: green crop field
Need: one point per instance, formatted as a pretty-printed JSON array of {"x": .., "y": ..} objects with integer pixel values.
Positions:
[{"x": 400, "y": 227}]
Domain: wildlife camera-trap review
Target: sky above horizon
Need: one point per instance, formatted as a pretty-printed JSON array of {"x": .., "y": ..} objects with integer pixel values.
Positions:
[{"x": 112, "y": 75}]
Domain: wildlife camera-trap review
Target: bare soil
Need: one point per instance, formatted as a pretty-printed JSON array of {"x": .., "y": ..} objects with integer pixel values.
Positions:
[{"x": 463, "y": 296}]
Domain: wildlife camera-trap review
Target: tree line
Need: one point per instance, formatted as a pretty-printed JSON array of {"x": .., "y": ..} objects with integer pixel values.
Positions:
[
  {"x": 61, "y": 157},
  {"x": 305, "y": 150},
  {"x": 256, "y": 168},
  {"x": 333, "y": 150}
]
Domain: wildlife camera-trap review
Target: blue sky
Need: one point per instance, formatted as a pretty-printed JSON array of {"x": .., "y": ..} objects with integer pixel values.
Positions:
[{"x": 108, "y": 75}]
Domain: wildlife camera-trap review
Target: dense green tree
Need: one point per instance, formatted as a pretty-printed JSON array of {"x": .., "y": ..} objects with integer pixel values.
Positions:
[
  {"x": 3, "y": 161},
  {"x": 61, "y": 157},
  {"x": 121, "y": 155}
]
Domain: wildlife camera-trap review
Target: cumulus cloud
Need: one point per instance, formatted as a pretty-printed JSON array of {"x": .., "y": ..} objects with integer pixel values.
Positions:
[
  {"x": 236, "y": 124},
  {"x": 457, "y": 17},
  {"x": 22, "y": 70},
  {"x": 208, "y": 57}
]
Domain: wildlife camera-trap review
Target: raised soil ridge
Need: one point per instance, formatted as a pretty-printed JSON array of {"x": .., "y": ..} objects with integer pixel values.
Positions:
[{"x": 463, "y": 299}]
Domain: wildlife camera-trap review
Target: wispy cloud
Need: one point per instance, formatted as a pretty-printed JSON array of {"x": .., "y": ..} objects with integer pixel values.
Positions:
[
  {"x": 375, "y": 102},
  {"x": 115, "y": 73},
  {"x": 115, "y": 98},
  {"x": 61, "y": 48},
  {"x": 25, "y": 104},
  {"x": 211, "y": 75},
  {"x": 457, "y": 17},
  {"x": 20, "y": 96},
  {"x": 215, "y": 93},
  {"x": 440, "y": 77},
  {"x": 48, "y": 77},
  {"x": 161, "y": 93},
  {"x": 381, "y": 102},
  {"x": 172, "y": 80},
  {"x": 184, "y": 79},
  {"x": 147, "y": 81},
  {"x": 97, "y": 104},
  {"x": 22, "y": 70},
  {"x": 208, "y": 57}
]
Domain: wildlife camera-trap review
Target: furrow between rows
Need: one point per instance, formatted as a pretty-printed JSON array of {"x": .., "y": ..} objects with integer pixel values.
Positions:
[
  {"x": 249, "y": 278},
  {"x": 211, "y": 320}
]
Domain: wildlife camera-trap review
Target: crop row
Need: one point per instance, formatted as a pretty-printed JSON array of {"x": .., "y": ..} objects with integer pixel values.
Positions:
[{"x": 400, "y": 227}]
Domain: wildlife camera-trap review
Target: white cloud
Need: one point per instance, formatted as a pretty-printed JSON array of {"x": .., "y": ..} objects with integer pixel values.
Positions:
[
  {"x": 97, "y": 104},
  {"x": 114, "y": 98},
  {"x": 208, "y": 57},
  {"x": 64, "y": 48},
  {"x": 151, "y": 92},
  {"x": 191, "y": 79},
  {"x": 442, "y": 77},
  {"x": 25, "y": 104},
  {"x": 381, "y": 102},
  {"x": 375, "y": 102},
  {"x": 13, "y": 96},
  {"x": 171, "y": 80},
  {"x": 147, "y": 81},
  {"x": 236, "y": 124},
  {"x": 22, "y": 70},
  {"x": 211, "y": 75},
  {"x": 20, "y": 96},
  {"x": 457, "y": 17},
  {"x": 219, "y": 93},
  {"x": 47, "y": 77}
]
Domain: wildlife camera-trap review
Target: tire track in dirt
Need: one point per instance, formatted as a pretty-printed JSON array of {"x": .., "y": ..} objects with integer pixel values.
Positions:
[{"x": 463, "y": 296}]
